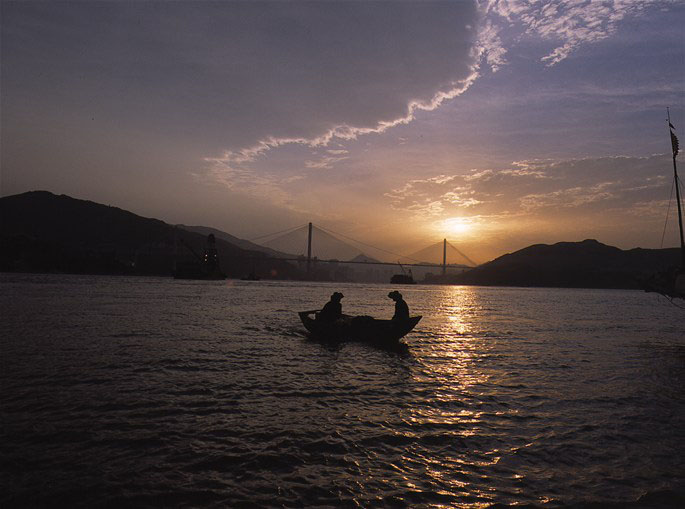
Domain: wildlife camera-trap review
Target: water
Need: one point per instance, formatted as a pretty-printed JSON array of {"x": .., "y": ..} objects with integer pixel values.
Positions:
[{"x": 154, "y": 392}]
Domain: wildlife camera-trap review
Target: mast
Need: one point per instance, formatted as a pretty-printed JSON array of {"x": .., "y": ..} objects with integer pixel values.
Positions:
[
  {"x": 444, "y": 256},
  {"x": 675, "y": 147}
]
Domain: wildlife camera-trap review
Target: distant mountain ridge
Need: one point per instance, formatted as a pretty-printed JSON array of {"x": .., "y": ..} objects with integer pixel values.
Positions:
[
  {"x": 44, "y": 232},
  {"x": 586, "y": 264},
  {"x": 362, "y": 258}
]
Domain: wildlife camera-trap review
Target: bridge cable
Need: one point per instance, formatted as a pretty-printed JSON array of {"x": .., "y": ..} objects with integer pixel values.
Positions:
[
  {"x": 368, "y": 245},
  {"x": 288, "y": 230},
  {"x": 462, "y": 254}
]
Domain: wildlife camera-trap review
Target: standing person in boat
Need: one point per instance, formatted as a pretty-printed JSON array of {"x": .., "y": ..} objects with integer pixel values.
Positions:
[
  {"x": 332, "y": 310},
  {"x": 401, "y": 308}
]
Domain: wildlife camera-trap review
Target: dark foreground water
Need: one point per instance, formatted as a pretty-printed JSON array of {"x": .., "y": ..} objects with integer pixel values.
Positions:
[{"x": 154, "y": 392}]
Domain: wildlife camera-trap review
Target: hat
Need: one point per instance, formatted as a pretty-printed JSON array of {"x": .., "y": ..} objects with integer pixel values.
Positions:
[
  {"x": 394, "y": 294},
  {"x": 337, "y": 296}
]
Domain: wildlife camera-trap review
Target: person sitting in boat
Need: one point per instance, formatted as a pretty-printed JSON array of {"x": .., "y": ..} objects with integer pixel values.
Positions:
[
  {"x": 332, "y": 310},
  {"x": 401, "y": 308}
]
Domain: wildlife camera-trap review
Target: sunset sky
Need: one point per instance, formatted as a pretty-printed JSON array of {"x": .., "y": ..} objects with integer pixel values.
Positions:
[{"x": 496, "y": 124}]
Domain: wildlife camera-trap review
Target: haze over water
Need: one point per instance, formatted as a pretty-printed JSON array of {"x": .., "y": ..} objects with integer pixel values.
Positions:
[{"x": 143, "y": 391}]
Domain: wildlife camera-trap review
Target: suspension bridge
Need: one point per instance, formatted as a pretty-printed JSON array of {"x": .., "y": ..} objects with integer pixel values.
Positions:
[{"x": 315, "y": 244}]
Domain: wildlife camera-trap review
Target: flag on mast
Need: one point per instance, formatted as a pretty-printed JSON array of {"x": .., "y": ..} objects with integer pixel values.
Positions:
[{"x": 674, "y": 140}]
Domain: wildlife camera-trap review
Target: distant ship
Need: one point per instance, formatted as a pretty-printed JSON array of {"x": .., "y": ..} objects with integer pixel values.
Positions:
[
  {"x": 406, "y": 278},
  {"x": 206, "y": 267}
]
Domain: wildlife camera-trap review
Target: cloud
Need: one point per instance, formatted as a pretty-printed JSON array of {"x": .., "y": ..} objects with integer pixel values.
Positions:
[
  {"x": 479, "y": 175},
  {"x": 490, "y": 46},
  {"x": 325, "y": 162},
  {"x": 531, "y": 188},
  {"x": 568, "y": 24},
  {"x": 231, "y": 159},
  {"x": 321, "y": 73},
  {"x": 269, "y": 186},
  {"x": 569, "y": 197}
]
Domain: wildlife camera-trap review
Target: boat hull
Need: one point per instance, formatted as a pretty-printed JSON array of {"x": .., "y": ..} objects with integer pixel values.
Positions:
[
  {"x": 402, "y": 279},
  {"x": 670, "y": 284},
  {"x": 359, "y": 328}
]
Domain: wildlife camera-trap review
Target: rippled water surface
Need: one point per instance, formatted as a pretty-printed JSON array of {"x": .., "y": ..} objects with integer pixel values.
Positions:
[{"x": 155, "y": 392}]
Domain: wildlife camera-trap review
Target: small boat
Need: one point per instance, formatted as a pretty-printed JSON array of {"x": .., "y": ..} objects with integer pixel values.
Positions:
[
  {"x": 670, "y": 283},
  {"x": 359, "y": 328}
]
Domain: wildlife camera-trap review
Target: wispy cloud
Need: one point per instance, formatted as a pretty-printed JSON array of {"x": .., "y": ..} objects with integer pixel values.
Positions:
[
  {"x": 568, "y": 24},
  {"x": 570, "y": 197},
  {"x": 236, "y": 161},
  {"x": 490, "y": 46},
  {"x": 246, "y": 181},
  {"x": 537, "y": 187},
  {"x": 326, "y": 162}
]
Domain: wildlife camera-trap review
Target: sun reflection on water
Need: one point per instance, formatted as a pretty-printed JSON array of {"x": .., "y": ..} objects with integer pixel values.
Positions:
[
  {"x": 456, "y": 346},
  {"x": 453, "y": 405}
]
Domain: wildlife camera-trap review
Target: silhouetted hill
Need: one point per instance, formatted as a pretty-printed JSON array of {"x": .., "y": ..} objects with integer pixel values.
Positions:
[
  {"x": 43, "y": 232},
  {"x": 586, "y": 264},
  {"x": 363, "y": 258}
]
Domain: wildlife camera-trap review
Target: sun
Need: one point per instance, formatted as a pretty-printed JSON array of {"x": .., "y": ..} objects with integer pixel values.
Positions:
[{"x": 456, "y": 225}]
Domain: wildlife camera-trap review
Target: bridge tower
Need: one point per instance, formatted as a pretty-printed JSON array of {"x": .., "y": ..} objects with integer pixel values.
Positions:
[{"x": 309, "y": 249}]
